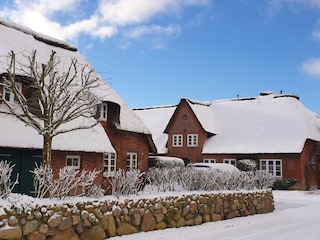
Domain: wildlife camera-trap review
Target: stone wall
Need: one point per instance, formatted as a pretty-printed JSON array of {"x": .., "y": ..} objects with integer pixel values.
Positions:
[{"x": 99, "y": 220}]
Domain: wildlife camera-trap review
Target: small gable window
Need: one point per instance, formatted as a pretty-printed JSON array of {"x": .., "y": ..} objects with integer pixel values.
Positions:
[
  {"x": 192, "y": 140},
  {"x": 177, "y": 140}
]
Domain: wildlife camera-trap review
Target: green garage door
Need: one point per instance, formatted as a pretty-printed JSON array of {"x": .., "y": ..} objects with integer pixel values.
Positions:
[{"x": 24, "y": 160}]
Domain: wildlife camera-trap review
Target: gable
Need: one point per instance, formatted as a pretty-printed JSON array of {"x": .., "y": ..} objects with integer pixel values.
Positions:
[
  {"x": 184, "y": 119},
  {"x": 156, "y": 119}
]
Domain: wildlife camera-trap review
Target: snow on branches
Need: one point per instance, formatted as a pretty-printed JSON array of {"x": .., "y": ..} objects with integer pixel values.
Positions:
[
  {"x": 70, "y": 182},
  {"x": 6, "y": 185}
]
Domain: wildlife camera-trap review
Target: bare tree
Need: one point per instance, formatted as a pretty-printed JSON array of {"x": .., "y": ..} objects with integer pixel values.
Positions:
[{"x": 55, "y": 98}]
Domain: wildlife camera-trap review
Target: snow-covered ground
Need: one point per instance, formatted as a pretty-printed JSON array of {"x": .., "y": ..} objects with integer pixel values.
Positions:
[{"x": 297, "y": 216}]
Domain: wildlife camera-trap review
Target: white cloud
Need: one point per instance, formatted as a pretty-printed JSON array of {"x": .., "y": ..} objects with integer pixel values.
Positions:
[
  {"x": 127, "y": 12},
  {"x": 274, "y": 6},
  {"x": 153, "y": 30},
  {"x": 316, "y": 35},
  {"x": 67, "y": 19},
  {"x": 311, "y": 67}
]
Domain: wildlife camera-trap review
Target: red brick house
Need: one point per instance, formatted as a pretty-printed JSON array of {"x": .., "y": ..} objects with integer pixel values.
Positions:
[
  {"x": 275, "y": 130},
  {"x": 121, "y": 140}
]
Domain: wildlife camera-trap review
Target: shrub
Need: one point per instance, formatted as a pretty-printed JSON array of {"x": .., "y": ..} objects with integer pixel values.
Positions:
[
  {"x": 209, "y": 180},
  {"x": 247, "y": 165},
  {"x": 164, "y": 179},
  {"x": 284, "y": 183},
  {"x": 6, "y": 186},
  {"x": 70, "y": 182},
  {"x": 124, "y": 183}
]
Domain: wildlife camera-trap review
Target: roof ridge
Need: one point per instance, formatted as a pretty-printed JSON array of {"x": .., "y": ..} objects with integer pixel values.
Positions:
[
  {"x": 155, "y": 107},
  {"x": 38, "y": 36}
]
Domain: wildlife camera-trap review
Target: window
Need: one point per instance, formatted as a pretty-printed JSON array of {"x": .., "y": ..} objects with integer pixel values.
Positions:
[
  {"x": 192, "y": 140},
  {"x": 102, "y": 111},
  {"x": 273, "y": 166},
  {"x": 73, "y": 161},
  {"x": 207, "y": 160},
  {"x": 230, "y": 161},
  {"x": 109, "y": 163},
  {"x": 177, "y": 140},
  {"x": 8, "y": 95},
  {"x": 132, "y": 159}
]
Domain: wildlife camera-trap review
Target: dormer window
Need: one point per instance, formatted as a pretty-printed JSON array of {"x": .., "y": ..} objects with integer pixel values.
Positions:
[
  {"x": 8, "y": 95},
  {"x": 103, "y": 111}
]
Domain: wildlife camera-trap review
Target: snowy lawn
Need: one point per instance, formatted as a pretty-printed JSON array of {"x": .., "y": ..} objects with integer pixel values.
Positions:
[{"x": 297, "y": 216}]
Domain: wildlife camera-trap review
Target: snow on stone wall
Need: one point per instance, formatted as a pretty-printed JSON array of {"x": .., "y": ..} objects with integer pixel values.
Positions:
[{"x": 102, "y": 219}]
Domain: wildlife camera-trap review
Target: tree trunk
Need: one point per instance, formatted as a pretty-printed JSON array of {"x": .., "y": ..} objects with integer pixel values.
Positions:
[{"x": 47, "y": 150}]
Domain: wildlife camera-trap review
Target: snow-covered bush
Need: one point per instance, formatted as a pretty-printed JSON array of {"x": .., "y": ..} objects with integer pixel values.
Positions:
[
  {"x": 247, "y": 165},
  {"x": 193, "y": 179},
  {"x": 124, "y": 183},
  {"x": 284, "y": 183},
  {"x": 6, "y": 185},
  {"x": 164, "y": 179},
  {"x": 70, "y": 182},
  {"x": 263, "y": 179},
  {"x": 42, "y": 180},
  {"x": 208, "y": 180}
]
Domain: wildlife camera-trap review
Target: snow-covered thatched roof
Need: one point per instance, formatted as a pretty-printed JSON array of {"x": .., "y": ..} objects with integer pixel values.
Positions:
[
  {"x": 156, "y": 119},
  {"x": 24, "y": 41},
  {"x": 269, "y": 123},
  {"x": 15, "y": 133}
]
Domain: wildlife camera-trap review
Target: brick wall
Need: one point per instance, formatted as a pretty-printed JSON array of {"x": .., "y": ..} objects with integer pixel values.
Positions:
[
  {"x": 184, "y": 122},
  {"x": 89, "y": 162},
  {"x": 125, "y": 142}
]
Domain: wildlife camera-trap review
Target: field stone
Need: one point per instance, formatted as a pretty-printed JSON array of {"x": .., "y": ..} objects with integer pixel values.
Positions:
[
  {"x": 68, "y": 234},
  {"x": 112, "y": 230},
  {"x": 94, "y": 233},
  {"x": 30, "y": 227},
  {"x": 126, "y": 229},
  {"x": 36, "y": 236},
  {"x": 11, "y": 233},
  {"x": 13, "y": 221},
  {"x": 148, "y": 222},
  {"x": 55, "y": 219}
]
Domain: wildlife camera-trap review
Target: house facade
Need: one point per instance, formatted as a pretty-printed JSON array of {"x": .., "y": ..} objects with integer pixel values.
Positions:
[
  {"x": 273, "y": 130},
  {"x": 120, "y": 140}
]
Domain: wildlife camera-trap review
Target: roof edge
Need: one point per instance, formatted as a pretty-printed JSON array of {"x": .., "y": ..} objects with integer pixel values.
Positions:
[{"x": 38, "y": 36}]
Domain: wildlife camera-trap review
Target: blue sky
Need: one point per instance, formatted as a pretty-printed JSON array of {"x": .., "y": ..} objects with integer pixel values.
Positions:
[{"x": 156, "y": 52}]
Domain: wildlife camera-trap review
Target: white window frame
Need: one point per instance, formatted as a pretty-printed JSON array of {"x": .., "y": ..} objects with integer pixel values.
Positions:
[
  {"x": 272, "y": 166},
  {"x": 8, "y": 95},
  {"x": 109, "y": 163},
  {"x": 231, "y": 161},
  {"x": 132, "y": 161},
  {"x": 209, "y": 160},
  {"x": 73, "y": 161},
  {"x": 103, "y": 111},
  {"x": 192, "y": 140},
  {"x": 177, "y": 140}
]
